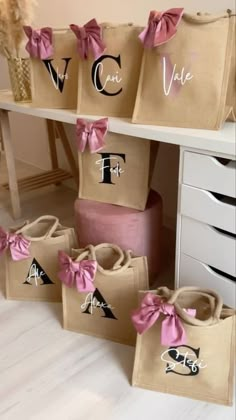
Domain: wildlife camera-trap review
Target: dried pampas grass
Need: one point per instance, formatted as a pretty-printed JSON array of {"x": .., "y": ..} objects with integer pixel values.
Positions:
[
  {"x": 20, "y": 13},
  {"x": 14, "y": 14},
  {"x": 5, "y": 48}
]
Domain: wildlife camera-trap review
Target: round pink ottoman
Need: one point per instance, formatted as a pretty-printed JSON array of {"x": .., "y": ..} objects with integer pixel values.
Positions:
[{"x": 132, "y": 229}]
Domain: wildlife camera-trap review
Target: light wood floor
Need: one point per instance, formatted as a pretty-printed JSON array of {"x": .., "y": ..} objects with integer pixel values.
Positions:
[{"x": 47, "y": 373}]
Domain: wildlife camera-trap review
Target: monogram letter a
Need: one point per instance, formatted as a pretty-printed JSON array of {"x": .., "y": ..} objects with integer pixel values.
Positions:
[{"x": 97, "y": 297}]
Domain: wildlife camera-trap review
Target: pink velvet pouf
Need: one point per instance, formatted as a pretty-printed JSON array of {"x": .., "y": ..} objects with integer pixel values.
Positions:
[{"x": 132, "y": 229}]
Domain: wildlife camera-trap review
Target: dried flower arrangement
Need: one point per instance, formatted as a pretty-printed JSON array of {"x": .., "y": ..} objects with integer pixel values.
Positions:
[{"x": 14, "y": 14}]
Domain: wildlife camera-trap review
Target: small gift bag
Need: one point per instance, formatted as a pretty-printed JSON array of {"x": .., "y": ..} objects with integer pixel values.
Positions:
[
  {"x": 54, "y": 67},
  {"x": 109, "y": 63},
  {"x": 100, "y": 288},
  {"x": 114, "y": 168},
  {"x": 185, "y": 345},
  {"x": 31, "y": 259},
  {"x": 185, "y": 70}
]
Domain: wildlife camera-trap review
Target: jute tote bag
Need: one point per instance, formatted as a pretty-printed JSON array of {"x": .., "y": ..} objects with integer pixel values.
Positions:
[
  {"x": 114, "y": 168},
  {"x": 100, "y": 289},
  {"x": 231, "y": 94},
  {"x": 185, "y": 345},
  {"x": 109, "y": 64},
  {"x": 31, "y": 259},
  {"x": 54, "y": 67},
  {"x": 185, "y": 70}
]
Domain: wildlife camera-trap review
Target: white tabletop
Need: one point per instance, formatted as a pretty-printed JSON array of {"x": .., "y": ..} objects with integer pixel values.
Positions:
[{"x": 222, "y": 142}]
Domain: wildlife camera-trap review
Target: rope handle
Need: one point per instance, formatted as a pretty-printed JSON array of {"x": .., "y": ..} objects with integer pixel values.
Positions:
[
  {"x": 202, "y": 18},
  {"x": 49, "y": 233},
  {"x": 216, "y": 309},
  {"x": 122, "y": 263}
]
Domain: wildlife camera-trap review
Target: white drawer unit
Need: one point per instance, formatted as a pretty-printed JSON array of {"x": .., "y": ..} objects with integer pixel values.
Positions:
[
  {"x": 195, "y": 273},
  {"x": 204, "y": 206},
  {"x": 209, "y": 173},
  {"x": 208, "y": 245}
]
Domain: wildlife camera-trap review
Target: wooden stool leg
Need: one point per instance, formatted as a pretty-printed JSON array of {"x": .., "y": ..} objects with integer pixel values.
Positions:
[
  {"x": 52, "y": 143},
  {"x": 66, "y": 145},
  {"x": 7, "y": 143}
]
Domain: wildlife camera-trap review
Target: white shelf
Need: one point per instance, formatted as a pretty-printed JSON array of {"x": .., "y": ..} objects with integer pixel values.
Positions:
[{"x": 222, "y": 142}]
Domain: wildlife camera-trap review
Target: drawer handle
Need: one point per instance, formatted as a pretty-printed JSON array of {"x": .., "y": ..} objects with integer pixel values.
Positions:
[
  {"x": 223, "y": 161},
  {"x": 223, "y": 232},
  {"x": 221, "y": 273},
  {"x": 223, "y": 199}
]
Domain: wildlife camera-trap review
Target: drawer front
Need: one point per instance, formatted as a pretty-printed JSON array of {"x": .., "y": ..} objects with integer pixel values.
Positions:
[
  {"x": 195, "y": 273},
  {"x": 208, "y": 245},
  {"x": 205, "y": 207},
  {"x": 208, "y": 173}
]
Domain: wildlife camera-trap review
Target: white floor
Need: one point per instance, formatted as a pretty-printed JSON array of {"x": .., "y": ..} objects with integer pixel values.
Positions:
[{"x": 47, "y": 373}]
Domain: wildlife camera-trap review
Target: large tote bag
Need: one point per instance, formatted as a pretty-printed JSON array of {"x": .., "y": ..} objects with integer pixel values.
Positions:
[
  {"x": 185, "y": 345},
  {"x": 109, "y": 64},
  {"x": 185, "y": 70},
  {"x": 114, "y": 168},
  {"x": 100, "y": 290},
  {"x": 31, "y": 259},
  {"x": 54, "y": 67}
]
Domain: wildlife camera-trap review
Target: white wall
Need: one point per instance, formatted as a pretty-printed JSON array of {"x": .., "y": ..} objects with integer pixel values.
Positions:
[{"x": 29, "y": 134}]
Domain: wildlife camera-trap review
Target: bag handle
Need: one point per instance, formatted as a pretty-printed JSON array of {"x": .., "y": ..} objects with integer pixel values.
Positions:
[
  {"x": 202, "y": 18},
  {"x": 216, "y": 311},
  {"x": 50, "y": 232},
  {"x": 124, "y": 257}
]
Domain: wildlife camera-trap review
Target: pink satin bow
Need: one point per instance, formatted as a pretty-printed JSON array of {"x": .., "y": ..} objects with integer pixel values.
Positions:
[
  {"x": 91, "y": 133},
  {"x": 162, "y": 27},
  {"x": 18, "y": 245},
  {"x": 39, "y": 44},
  {"x": 81, "y": 273},
  {"x": 89, "y": 39},
  {"x": 172, "y": 330}
]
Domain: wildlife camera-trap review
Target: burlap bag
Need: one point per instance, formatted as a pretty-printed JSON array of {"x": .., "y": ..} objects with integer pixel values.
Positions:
[
  {"x": 55, "y": 80},
  {"x": 231, "y": 94},
  {"x": 106, "y": 312},
  {"x": 120, "y": 173},
  {"x": 35, "y": 277},
  {"x": 107, "y": 86},
  {"x": 203, "y": 366},
  {"x": 183, "y": 83}
]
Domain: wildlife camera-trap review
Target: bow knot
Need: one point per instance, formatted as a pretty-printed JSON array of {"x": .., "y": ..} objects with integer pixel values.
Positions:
[
  {"x": 91, "y": 133},
  {"x": 39, "y": 43},
  {"x": 172, "y": 330},
  {"x": 18, "y": 245},
  {"x": 89, "y": 39},
  {"x": 79, "y": 273},
  {"x": 83, "y": 33},
  {"x": 162, "y": 27}
]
